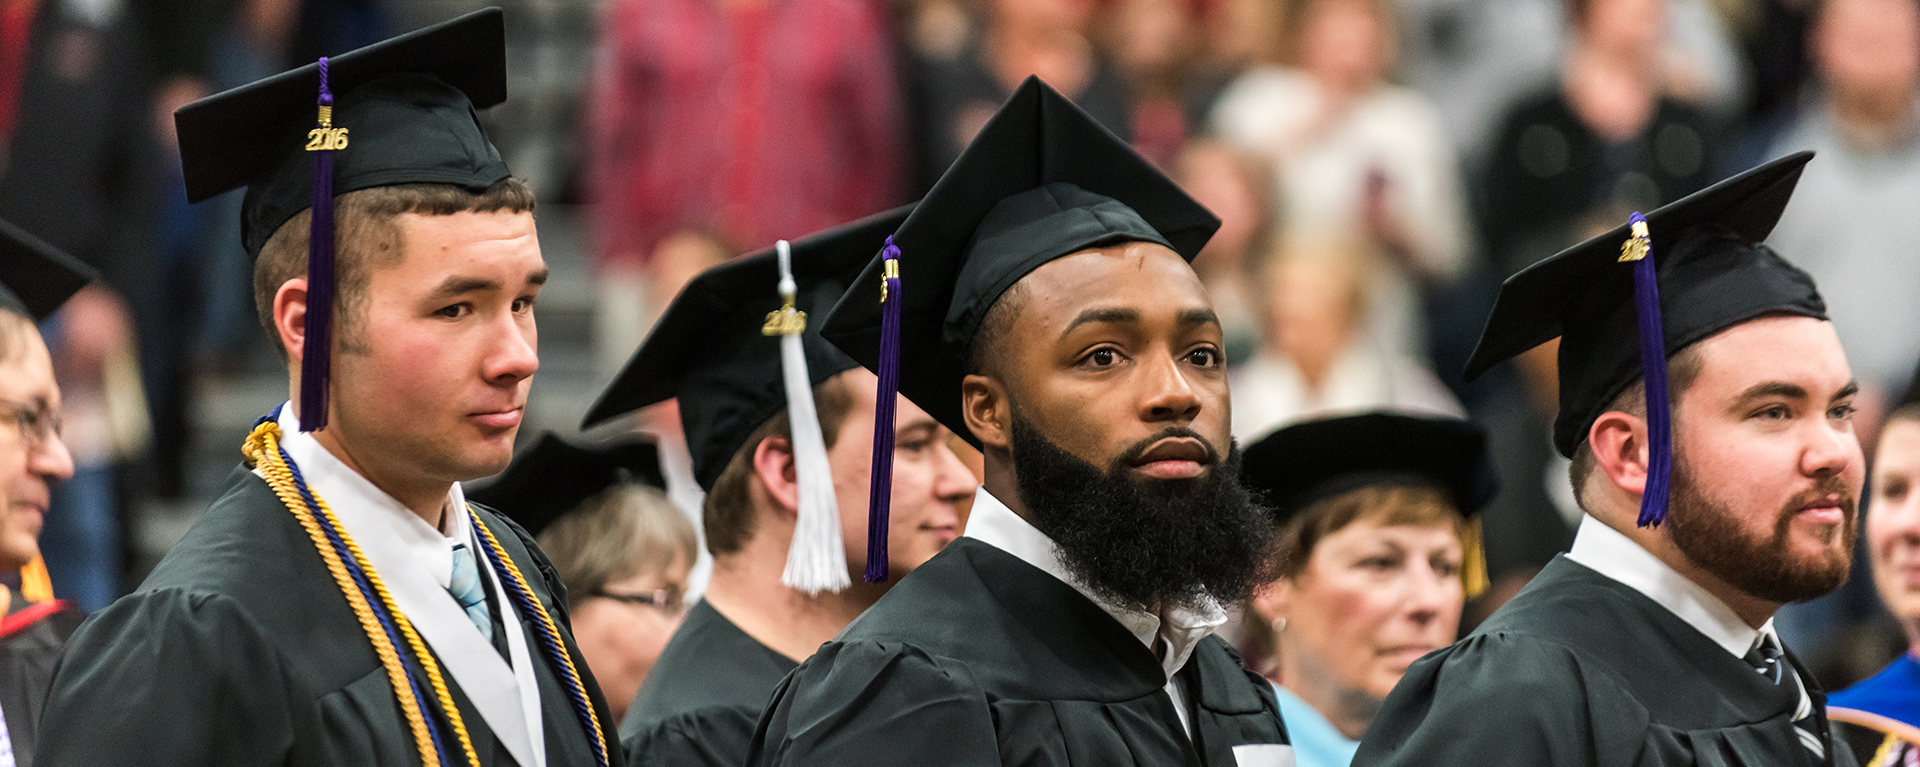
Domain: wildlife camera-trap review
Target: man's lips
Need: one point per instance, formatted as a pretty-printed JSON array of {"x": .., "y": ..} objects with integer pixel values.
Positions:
[
  {"x": 1174, "y": 458},
  {"x": 1829, "y": 510},
  {"x": 499, "y": 419}
]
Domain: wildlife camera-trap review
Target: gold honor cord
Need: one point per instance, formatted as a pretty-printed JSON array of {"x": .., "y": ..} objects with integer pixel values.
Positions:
[
  {"x": 592, "y": 719},
  {"x": 262, "y": 450}
]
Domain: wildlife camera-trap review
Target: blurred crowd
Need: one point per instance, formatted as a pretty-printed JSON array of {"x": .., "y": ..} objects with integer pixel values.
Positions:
[{"x": 1379, "y": 167}]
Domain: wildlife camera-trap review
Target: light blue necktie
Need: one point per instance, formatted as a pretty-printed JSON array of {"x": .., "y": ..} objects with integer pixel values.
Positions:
[{"x": 466, "y": 589}]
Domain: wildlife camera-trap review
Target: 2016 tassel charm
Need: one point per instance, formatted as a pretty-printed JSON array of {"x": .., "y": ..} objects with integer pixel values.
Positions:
[
  {"x": 316, "y": 348},
  {"x": 1638, "y": 250},
  {"x": 880, "y": 495}
]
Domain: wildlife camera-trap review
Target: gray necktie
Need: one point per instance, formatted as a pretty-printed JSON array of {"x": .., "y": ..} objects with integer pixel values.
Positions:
[{"x": 1770, "y": 661}]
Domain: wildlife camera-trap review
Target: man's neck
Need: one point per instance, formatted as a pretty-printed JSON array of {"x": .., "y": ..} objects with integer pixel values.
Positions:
[
  {"x": 746, "y": 589},
  {"x": 427, "y": 500}
]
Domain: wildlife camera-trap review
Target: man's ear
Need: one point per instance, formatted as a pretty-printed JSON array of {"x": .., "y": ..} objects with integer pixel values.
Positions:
[
  {"x": 290, "y": 316},
  {"x": 1619, "y": 444},
  {"x": 984, "y": 405},
  {"x": 773, "y": 463}
]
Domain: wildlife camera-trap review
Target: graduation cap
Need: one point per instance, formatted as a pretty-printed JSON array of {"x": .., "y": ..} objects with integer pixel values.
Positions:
[
  {"x": 1040, "y": 181},
  {"x": 555, "y": 476},
  {"x": 1623, "y": 302},
  {"x": 736, "y": 347},
  {"x": 1315, "y": 460},
  {"x": 400, "y": 111},
  {"x": 35, "y": 277}
]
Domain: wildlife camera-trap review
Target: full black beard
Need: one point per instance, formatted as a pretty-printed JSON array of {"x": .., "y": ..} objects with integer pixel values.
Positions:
[
  {"x": 1150, "y": 544},
  {"x": 1706, "y": 530}
]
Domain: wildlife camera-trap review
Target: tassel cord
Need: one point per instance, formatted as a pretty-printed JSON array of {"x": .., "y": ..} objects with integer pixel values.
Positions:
[{"x": 880, "y": 495}]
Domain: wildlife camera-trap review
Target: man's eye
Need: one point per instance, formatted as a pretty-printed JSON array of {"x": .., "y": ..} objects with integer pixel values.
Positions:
[
  {"x": 1205, "y": 358},
  {"x": 455, "y": 311},
  {"x": 1103, "y": 357},
  {"x": 1774, "y": 413},
  {"x": 1842, "y": 412},
  {"x": 522, "y": 305}
]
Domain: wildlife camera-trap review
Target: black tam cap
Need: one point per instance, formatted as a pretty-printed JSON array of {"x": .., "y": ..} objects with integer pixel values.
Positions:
[
  {"x": 36, "y": 278},
  {"x": 408, "y": 106},
  {"x": 712, "y": 349},
  {"x": 1314, "y": 460},
  {"x": 1042, "y": 180},
  {"x": 555, "y": 476},
  {"x": 1712, "y": 273}
]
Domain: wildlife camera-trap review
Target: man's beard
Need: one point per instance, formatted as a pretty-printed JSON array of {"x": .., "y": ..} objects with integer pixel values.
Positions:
[
  {"x": 1149, "y": 544},
  {"x": 1707, "y": 531}
]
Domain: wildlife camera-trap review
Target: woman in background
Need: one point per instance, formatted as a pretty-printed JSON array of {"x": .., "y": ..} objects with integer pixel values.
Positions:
[
  {"x": 621, "y": 548},
  {"x": 1377, "y": 556},
  {"x": 1882, "y": 714}
]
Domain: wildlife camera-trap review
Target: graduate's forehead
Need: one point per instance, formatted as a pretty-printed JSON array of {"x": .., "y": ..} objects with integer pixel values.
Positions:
[{"x": 1128, "y": 283}]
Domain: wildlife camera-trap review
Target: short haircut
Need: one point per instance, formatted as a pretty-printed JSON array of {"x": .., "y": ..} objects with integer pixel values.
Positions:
[
  {"x": 621, "y": 532},
  {"x": 1386, "y": 504},
  {"x": 727, "y": 513},
  {"x": 983, "y": 350},
  {"x": 366, "y": 238},
  {"x": 1683, "y": 368}
]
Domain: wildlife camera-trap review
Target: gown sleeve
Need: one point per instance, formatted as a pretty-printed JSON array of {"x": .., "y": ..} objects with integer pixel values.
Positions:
[
  {"x": 1498, "y": 701},
  {"x": 715, "y": 736},
  {"x": 168, "y": 677},
  {"x": 876, "y": 704}
]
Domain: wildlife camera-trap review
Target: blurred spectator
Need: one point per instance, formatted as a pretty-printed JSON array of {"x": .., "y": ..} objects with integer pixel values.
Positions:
[
  {"x": 742, "y": 121},
  {"x": 1852, "y": 225},
  {"x": 1155, "y": 44},
  {"x": 1609, "y": 138},
  {"x": 627, "y": 541},
  {"x": 955, "y": 91},
  {"x": 1318, "y": 360},
  {"x": 1879, "y": 713},
  {"x": 1354, "y": 157},
  {"x": 1236, "y": 188},
  {"x": 78, "y": 167}
]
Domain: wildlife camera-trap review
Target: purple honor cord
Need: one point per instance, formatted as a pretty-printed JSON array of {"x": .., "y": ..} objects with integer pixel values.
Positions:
[
  {"x": 880, "y": 494},
  {"x": 1653, "y": 363},
  {"x": 317, "y": 345}
]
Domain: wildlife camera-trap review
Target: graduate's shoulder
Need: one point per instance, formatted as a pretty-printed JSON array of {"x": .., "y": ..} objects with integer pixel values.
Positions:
[
  {"x": 714, "y": 734},
  {"x": 246, "y": 544},
  {"x": 708, "y": 665}
]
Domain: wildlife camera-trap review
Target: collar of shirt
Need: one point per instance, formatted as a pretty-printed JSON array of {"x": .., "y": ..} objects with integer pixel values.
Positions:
[
  {"x": 992, "y": 523},
  {"x": 412, "y": 556},
  {"x": 1611, "y": 553}
]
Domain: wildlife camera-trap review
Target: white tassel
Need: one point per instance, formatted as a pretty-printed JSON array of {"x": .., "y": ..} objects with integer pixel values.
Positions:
[{"x": 817, "y": 560}]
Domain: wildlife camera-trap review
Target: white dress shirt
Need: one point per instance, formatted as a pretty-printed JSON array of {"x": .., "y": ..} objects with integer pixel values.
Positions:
[
  {"x": 415, "y": 562},
  {"x": 992, "y": 523}
]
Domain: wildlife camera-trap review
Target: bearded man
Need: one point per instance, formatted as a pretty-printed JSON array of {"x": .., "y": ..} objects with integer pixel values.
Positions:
[
  {"x": 1049, "y": 316},
  {"x": 1652, "y": 643}
]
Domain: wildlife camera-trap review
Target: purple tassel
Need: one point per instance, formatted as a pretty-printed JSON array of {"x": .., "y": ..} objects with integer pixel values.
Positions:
[
  {"x": 1653, "y": 364},
  {"x": 880, "y": 496},
  {"x": 316, "y": 361}
]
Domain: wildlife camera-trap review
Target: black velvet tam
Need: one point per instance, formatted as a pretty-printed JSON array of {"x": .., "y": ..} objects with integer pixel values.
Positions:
[
  {"x": 554, "y": 476},
  {"x": 1306, "y": 462},
  {"x": 36, "y": 278}
]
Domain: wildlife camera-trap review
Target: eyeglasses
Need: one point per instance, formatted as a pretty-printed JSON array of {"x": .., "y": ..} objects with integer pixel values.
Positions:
[
  {"x": 661, "y": 599},
  {"x": 38, "y": 424}
]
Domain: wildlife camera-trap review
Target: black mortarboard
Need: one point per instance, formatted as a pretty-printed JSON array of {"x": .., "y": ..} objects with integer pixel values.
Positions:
[
  {"x": 400, "y": 111},
  {"x": 36, "y": 278},
  {"x": 1623, "y": 302},
  {"x": 1310, "y": 461},
  {"x": 555, "y": 476},
  {"x": 1042, "y": 180},
  {"x": 710, "y": 349}
]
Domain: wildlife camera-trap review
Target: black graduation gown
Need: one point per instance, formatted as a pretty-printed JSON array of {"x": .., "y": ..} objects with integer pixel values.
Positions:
[
  {"x": 240, "y": 650},
  {"x": 704, "y": 695},
  {"x": 1580, "y": 669},
  {"x": 27, "y": 656},
  {"x": 978, "y": 658}
]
